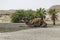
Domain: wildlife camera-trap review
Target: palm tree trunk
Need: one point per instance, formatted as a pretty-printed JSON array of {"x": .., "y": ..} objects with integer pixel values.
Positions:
[
  {"x": 53, "y": 19},
  {"x": 53, "y": 22}
]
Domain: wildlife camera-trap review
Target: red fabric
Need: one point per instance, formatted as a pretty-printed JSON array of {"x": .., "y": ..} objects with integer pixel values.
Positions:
[
  {"x": 30, "y": 22},
  {"x": 41, "y": 22}
]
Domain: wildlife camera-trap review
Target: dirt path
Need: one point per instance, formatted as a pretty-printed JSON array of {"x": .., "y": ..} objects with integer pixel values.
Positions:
[{"x": 32, "y": 34}]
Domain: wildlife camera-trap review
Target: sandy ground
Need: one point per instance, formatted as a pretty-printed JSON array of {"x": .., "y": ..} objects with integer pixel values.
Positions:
[
  {"x": 32, "y": 34},
  {"x": 50, "y": 33}
]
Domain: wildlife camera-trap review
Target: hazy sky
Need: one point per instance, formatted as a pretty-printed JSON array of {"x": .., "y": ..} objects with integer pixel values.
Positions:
[{"x": 27, "y": 4}]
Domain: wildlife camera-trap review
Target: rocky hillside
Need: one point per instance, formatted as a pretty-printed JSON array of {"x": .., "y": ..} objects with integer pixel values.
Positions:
[
  {"x": 7, "y": 11},
  {"x": 57, "y": 7}
]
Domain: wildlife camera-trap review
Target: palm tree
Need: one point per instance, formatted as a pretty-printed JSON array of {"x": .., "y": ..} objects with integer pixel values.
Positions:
[
  {"x": 40, "y": 13},
  {"x": 30, "y": 14},
  {"x": 53, "y": 13}
]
